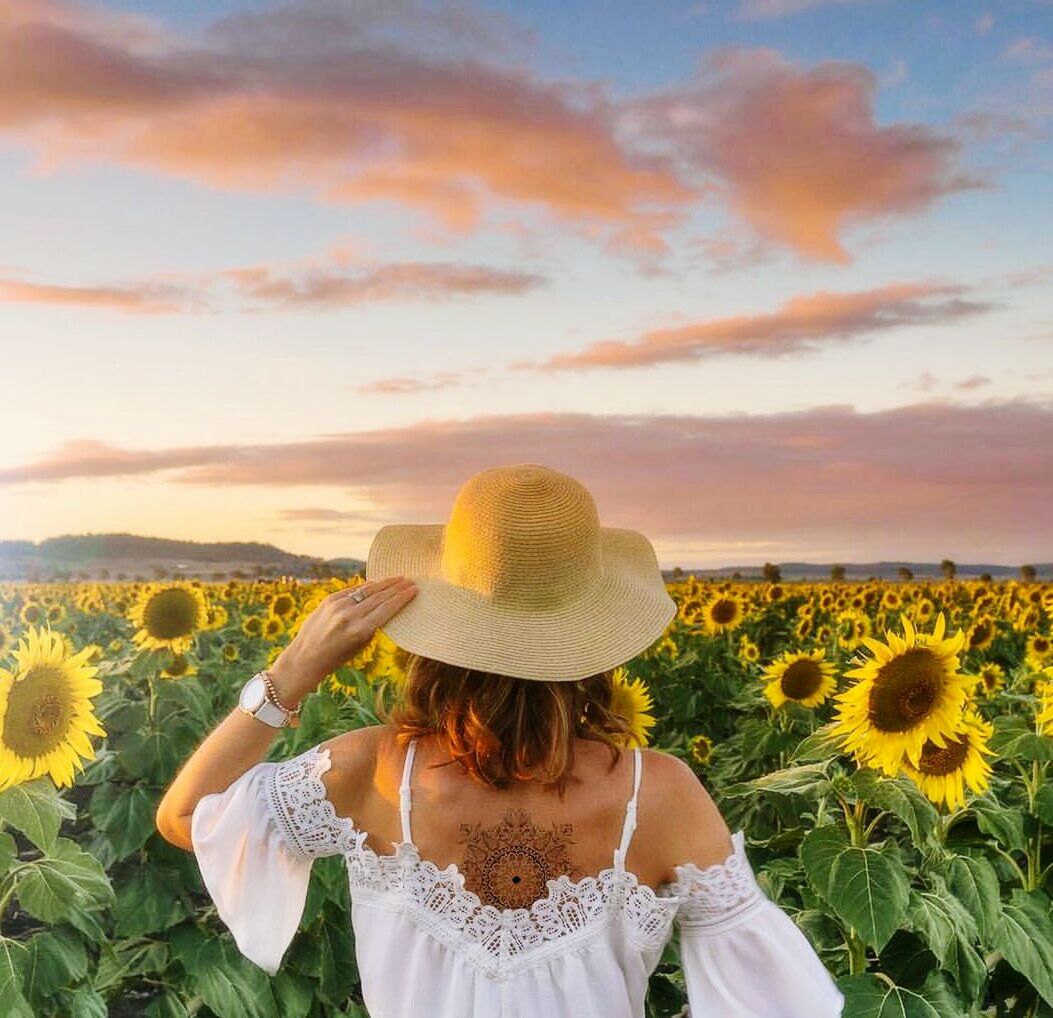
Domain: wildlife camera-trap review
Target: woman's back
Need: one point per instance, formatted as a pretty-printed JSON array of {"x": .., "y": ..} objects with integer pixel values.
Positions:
[
  {"x": 429, "y": 943},
  {"x": 508, "y": 842}
]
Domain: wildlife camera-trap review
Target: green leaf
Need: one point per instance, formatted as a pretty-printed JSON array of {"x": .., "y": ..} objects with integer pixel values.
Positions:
[
  {"x": 1006, "y": 826},
  {"x": 1044, "y": 804},
  {"x": 868, "y": 890},
  {"x": 807, "y": 779},
  {"x": 86, "y": 1003},
  {"x": 867, "y": 996},
  {"x": 155, "y": 756},
  {"x": 48, "y": 886},
  {"x": 56, "y": 959},
  {"x": 8, "y": 851},
  {"x": 1025, "y": 938},
  {"x": 821, "y": 744},
  {"x": 125, "y": 815},
  {"x": 974, "y": 883},
  {"x": 1014, "y": 737},
  {"x": 167, "y": 1005},
  {"x": 36, "y": 809},
  {"x": 13, "y": 958},
  {"x": 820, "y": 847},
  {"x": 147, "y": 905},
  {"x": 233, "y": 986},
  {"x": 950, "y": 930},
  {"x": 899, "y": 796}
]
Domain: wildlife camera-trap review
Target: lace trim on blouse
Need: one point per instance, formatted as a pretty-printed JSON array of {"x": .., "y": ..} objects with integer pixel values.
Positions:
[{"x": 438, "y": 899}]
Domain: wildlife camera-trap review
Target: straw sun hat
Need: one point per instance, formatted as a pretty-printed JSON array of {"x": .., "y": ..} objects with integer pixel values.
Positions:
[{"x": 522, "y": 580}]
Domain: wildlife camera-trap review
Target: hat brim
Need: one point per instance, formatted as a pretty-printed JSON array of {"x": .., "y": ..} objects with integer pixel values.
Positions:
[{"x": 622, "y": 615}]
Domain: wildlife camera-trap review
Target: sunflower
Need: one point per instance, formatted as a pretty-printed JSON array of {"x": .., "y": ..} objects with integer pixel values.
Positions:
[
  {"x": 852, "y": 626},
  {"x": 282, "y": 604},
  {"x": 1044, "y": 714},
  {"x": 800, "y": 676},
  {"x": 178, "y": 668},
  {"x": 1038, "y": 651},
  {"x": 890, "y": 599},
  {"x": 748, "y": 650},
  {"x": 701, "y": 746},
  {"x": 32, "y": 613},
  {"x": 229, "y": 652},
  {"x": 252, "y": 626},
  {"x": 6, "y": 641},
  {"x": 724, "y": 611},
  {"x": 168, "y": 616},
  {"x": 943, "y": 771},
  {"x": 804, "y": 628},
  {"x": 46, "y": 711},
  {"x": 389, "y": 661},
  {"x": 910, "y": 691},
  {"x": 632, "y": 701},
  {"x": 992, "y": 678},
  {"x": 981, "y": 634}
]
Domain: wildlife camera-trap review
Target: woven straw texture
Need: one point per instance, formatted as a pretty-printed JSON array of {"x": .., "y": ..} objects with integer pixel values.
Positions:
[{"x": 522, "y": 580}]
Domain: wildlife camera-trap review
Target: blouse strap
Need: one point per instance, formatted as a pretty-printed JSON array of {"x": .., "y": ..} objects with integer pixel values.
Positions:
[
  {"x": 629, "y": 825},
  {"x": 404, "y": 791}
]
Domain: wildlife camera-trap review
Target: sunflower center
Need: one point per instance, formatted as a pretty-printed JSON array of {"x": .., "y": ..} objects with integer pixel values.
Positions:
[
  {"x": 723, "y": 611},
  {"x": 801, "y": 679},
  {"x": 938, "y": 760},
  {"x": 980, "y": 633},
  {"x": 39, "y": 710},
  {"x": 906, "y": 690},
  {"x": 170, "y": 614}
]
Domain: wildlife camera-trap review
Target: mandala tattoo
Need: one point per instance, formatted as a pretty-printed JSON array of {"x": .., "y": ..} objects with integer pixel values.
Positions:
[{"x": 509, "y": 863}]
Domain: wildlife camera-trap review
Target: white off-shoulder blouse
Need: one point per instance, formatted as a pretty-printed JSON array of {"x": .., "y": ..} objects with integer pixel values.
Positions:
[{"x": 427, "y": 946}]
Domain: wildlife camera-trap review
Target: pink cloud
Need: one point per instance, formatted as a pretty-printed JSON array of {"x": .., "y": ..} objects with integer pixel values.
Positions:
[
  {"x": 139, "y": 298},
  {"x": 760, "y": 10},
  {"x": 922, "y": 480},
  {"x": 797, "y": 152},
  {"x": 407, "y": 280},
  {"x": 338, "y": 114},
  {"x": 802, "y": 325}
]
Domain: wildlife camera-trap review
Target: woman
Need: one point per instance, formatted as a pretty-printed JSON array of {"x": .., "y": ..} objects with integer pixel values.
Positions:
[{"x": 544, "y": 870}]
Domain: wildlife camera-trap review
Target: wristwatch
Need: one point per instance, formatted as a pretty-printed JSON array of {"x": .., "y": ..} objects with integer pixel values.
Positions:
[{"x": 255, "y": 702}]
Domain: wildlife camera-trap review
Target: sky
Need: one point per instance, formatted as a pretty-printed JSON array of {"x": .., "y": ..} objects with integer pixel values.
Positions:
[{"x": 772, "y": 278}]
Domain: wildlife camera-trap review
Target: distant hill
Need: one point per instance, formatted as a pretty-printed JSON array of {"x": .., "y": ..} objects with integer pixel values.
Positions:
[
  {"x": 864, "y": 570},
  {"x": 130, "y": 557}
]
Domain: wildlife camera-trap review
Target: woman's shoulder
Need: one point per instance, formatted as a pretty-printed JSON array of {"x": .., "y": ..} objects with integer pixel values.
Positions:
[
  {"x": 355, "y": 756},
  {"x": 678, "y": 816}
]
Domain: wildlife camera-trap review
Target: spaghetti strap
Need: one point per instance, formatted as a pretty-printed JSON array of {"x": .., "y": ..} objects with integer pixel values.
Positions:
[
  {"x": 404, "y": 792},
  {"x": 630, "y": 813}
]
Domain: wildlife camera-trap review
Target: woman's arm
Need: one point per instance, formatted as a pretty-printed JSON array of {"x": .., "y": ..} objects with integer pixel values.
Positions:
[{"x": 334, "y": 632}]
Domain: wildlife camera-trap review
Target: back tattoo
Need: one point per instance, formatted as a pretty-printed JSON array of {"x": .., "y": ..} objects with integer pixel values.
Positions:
[{"x": 507, "y": 864}]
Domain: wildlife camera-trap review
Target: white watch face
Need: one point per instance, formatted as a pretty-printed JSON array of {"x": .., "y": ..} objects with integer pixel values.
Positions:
[{"x": 253, "y": 694}]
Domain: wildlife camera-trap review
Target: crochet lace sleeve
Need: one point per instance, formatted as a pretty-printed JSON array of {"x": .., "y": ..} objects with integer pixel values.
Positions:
[
  {"x": 741, "y": 954},
  {"x": 255, "y": 843}
]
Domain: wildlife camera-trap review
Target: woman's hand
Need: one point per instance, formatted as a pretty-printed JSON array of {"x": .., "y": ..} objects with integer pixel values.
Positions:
[{"x": 335, "y": 632}]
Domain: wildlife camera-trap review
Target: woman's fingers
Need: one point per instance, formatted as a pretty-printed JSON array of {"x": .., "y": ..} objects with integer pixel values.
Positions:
[{"x": 384, "y": 604}]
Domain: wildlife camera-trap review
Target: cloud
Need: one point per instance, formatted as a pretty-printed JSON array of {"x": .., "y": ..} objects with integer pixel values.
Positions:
[
  {"x": 407, "y": 280},
  {"x": 762, "y": 10},
  {"x": 136, "y": 298},
  {"x": 347, "y": 105},
  {"x": 267, "y": 288},
  {"x": 927, "y": 479},
  {"x": 796, "y": 152},
  {"x": 401, "y": 385},
  {"x": 802, "y": 325}
]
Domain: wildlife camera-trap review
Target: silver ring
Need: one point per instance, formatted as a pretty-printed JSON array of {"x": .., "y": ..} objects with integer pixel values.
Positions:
[{"x": 358, "y": 596}]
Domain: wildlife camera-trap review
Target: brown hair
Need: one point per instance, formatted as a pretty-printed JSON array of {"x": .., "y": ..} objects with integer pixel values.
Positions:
[{"x": 502, "y": 729}]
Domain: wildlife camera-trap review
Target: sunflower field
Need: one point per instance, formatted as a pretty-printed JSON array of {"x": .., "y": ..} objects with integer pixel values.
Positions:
[{"x": 885, "y": 747}]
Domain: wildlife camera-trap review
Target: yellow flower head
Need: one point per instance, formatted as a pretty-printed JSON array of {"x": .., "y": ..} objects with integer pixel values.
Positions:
[
  {"x": 943, "y": 771},
  {"x": 46, "y": 711},
  {"x": 701, "y": 747},
  {"x": 801, "y": 676},
  {"x": 723, "y": 611},
  {"x": 632, "y": 701},
  {"x": 908, "y": 693},
  {"x": 168, "y": 615}
]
